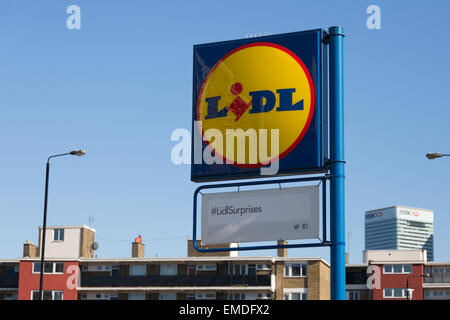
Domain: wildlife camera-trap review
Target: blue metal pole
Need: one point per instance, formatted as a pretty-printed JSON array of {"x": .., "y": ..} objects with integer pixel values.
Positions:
[{"x": 337, "y": 163}]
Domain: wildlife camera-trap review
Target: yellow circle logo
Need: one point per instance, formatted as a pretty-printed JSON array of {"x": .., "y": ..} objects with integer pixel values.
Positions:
[{"x": 261, "y": 94}]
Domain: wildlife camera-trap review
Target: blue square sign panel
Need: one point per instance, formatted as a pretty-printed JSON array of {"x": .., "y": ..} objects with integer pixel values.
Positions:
[{"x": 258, "y": 107}]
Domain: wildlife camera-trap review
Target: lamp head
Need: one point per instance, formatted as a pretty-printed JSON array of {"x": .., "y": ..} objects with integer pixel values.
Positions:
[
  {"x": 433, "y": 155},
  {"x": 78, "y": 153}
]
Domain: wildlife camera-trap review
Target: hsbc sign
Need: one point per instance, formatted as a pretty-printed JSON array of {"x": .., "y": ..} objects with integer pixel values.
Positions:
[{"x": 374, "y": 215}]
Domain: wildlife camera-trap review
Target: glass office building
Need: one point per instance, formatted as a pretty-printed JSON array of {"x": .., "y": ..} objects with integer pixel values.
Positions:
[{"x": 400, "y": 228}]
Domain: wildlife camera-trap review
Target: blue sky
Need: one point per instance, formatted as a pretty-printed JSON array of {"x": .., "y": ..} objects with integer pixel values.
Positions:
[{"x": 119, "y": 87}]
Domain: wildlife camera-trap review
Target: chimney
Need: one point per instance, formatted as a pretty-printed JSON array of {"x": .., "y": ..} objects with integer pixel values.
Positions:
[
  {"x": 282, "y": 252},
  {"x": 30, "y": 250},
  {"x": 137, "y": 248}
]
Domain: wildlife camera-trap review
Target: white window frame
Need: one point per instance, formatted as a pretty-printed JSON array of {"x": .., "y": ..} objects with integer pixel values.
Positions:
[
  {"x": 57, "y": 235},
  {"x": 53, "y": 268},
  {"x": 287, "y": 293},
  {"x": 404, "y": 295},
  {"x": 52, "y": 293},
  {"x": 289, "y": 273},
  {"x": 32, "y": 268},
  {"x": 393, "y": 266}
]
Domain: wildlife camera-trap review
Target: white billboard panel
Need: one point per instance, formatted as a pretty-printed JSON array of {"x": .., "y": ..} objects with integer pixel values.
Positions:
[{"x": 261, "y": 215}]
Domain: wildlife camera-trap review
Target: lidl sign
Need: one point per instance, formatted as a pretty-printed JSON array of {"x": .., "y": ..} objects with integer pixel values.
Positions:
[{"x": 257, "y": 107}]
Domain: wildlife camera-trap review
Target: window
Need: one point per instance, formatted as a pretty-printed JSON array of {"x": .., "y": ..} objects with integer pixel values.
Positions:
[
  {"x": 168, "y": 296},
  {"x": 298, "y": 294},
  {"x": 36, "y": 267},
  {"x": 407, "y": 268},
  {"x": 10, "y": 296},
  {"x": 235, "y": 269},
  {"x": 353, "y": 295},
  {"x": 295, "y": 270},
  {"x": 295, "y": 296},
  {"x": 398, "y": 293},
  {"x": 236, "y": 296},
  {"x": 206, "y": 267},
  {"x": 58, "y": 234},
  {"x": 251, "y": 270},
  {"x": 201, "y": 296},
  {"x": 58, "y": 295},
  {"x": 168, "y": 270},
  {"x": 388, "y": 268},
  {"x": 205, "y": 296},
  {"x": 59, "y": 267},
  {"x": 48, "y": 295},
  {"x": 138, "y": 270},
  {"x": 136, "y": 296},
  {"x": 191, "y": 296},
  {"x": 48, "y": 267},
  {"x": 387, "y": 293},
  {"x": 35, "y": 295},
  {"x": 397, "y": 268},
  {"x": 394, "y": 293}
]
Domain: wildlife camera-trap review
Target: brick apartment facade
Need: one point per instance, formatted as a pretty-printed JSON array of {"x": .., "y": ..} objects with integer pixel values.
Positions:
[
  {"x": 72, "y": 273},
  {"x": 397, "y": 275}
]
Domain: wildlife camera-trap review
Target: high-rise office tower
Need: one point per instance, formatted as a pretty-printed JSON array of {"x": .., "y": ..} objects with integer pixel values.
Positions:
[{"x": 399, "y": 227}]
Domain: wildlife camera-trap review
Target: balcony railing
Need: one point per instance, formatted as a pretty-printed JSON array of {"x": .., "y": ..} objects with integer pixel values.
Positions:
[
  {"x": 90, "y": 280},
  {"x": 438, "y": 278},
  {"x": 9, "y": 281}
]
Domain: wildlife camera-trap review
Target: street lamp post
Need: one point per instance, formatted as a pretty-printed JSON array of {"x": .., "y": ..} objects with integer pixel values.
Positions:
[
  {"x": 424, "y": 275},
  {"x": 44, "y": 224}
]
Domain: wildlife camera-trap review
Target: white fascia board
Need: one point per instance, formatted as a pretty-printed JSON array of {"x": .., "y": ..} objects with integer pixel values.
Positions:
[{"x": 177, "y": 289}]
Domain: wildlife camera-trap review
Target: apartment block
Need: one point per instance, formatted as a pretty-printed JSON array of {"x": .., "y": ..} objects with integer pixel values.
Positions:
[
  {"x": 398, "y": 275},
  {"x": 72, "y": 273}
]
